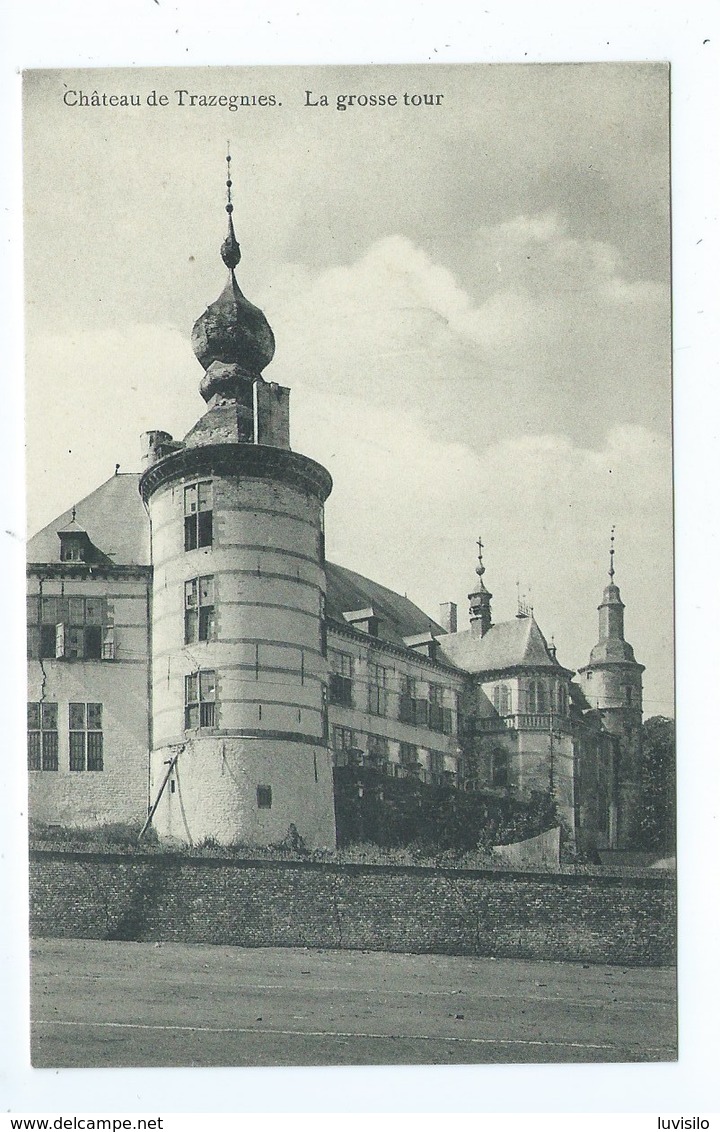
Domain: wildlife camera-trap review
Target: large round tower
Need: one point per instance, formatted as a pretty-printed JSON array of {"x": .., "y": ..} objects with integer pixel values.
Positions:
[
  {"x": 612, "y": 683},
  {"x": 239, "y": 675}
]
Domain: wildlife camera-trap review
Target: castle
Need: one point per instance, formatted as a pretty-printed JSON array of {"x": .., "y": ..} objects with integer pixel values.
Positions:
[{"x": 194, "y": 659}]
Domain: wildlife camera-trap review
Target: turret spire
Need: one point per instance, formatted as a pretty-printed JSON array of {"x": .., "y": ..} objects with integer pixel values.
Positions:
[
  {"x": 612, "y": 646},
  {"x": 480, "y": 615},
  {"x": 480, "y": 569},
  {"x": 230, "y": 249},
  {"x": 232, "y": 340}
]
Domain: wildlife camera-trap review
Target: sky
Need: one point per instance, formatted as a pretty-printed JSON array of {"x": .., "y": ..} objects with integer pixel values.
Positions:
[{"x": 471, "y": 303}]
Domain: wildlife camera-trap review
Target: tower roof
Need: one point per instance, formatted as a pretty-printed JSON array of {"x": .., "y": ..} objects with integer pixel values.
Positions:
[
  {"x": 509, "y": 645},
  {"x": 232, "y": 339},
  {"x": 611, "y": 648},
  {"x": 233, "y": 332}
]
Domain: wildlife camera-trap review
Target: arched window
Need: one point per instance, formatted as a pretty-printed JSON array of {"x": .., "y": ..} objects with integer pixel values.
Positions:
[
  {"x": 537, "y": 697},
  {"x": 499, "y": 767},
  {"x": 562, "y": 702},
  {"x": 502, "y": 699}
]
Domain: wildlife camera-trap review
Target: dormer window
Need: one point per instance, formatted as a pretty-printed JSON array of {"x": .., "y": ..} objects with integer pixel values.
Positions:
[
  {"x": 366, "y": 620},
  {"x": 423, "y": 643},
  {"x": 71, "y": 550},
  {"x": 75, "y": 546}
]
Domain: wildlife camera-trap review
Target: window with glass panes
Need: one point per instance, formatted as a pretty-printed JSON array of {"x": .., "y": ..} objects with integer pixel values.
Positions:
[
  {"x": 42, "y": 736},
  {"x": 378, "y": 749},
  {"x": 408, "y": 754},
  {"x": 200, "y": 699},
  {"x": 341, "y": 678},
  {"x": 200, "y": 609},
  {"x": 537, "y": 697},
  {"x": 435, "y": 711},
  {"x": 408, "y": 699},
  {"x": 343, "y": 738},
  {"x": 86, "y": 736},
  {"x": 73, "y": 628},
  {"x": 198, "y": 515},
  {"x": 437, "y": 767},
  {"x": 562, "y": 700},
  {"x": 502, "y": 699},
  {"x": 377, "y": 689},
  {"x": 72, "y": 548}
]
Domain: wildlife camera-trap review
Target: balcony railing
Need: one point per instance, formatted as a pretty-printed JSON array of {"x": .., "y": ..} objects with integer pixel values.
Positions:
[{"x": 524, "y": 721}]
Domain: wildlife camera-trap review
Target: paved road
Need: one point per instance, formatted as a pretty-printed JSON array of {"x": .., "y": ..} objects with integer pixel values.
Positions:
[{"x": 142, "y": 1004}]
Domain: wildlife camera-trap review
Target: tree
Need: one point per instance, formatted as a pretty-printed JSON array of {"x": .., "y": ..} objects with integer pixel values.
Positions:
[{"x": 657, "y": 781}]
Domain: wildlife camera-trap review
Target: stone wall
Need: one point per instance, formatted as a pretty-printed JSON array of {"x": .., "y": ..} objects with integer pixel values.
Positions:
[
  {"x": 554, "y": 916},
  {"x": 118, "y": 793}
]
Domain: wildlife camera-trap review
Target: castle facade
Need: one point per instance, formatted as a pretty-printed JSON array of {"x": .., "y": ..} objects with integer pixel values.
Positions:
[{"x": 195, "y": 660}]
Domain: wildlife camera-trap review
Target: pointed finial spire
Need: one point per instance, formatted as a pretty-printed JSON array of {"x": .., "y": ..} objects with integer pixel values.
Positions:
[
  {"x": 232, "y": 339},
  {"x": 230, "y": 249},
  {"x": 611, "y": 571},
  {"x": 480, "y": 569},
  {"x": 480, "y": 615},
  {"x": 73, "y": 515}
]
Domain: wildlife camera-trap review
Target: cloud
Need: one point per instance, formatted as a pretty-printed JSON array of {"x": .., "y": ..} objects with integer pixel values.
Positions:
[
  {"x": 531, "y": 408},
  {"x": 106, "y": 388},
  {"x": 407, "y": 508},
  {"x": 547, "y": 335}
]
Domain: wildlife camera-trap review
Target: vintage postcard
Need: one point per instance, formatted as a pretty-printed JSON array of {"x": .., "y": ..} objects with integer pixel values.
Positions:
[{"x": 350, "y": 709}]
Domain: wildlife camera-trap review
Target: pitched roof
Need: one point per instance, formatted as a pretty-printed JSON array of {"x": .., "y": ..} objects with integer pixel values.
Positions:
[
  {"x": 398, "y": 616},
  {"x": 114, "y": 518},
  {"x": 511, "y": 644},
  {"x": 117, "y": 524}
]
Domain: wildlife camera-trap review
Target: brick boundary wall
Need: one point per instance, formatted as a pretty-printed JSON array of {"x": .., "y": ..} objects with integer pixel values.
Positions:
[{"x": 248, "y": 903}]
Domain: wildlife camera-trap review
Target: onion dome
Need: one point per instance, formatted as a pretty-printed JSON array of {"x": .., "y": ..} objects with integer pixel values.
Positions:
[{"x": 232, "y": 340}]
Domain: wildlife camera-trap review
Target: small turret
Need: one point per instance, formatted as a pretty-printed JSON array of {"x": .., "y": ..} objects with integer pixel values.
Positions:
[
  {"x": 612, "y": 683},
  {"x": 480, "y": 598}
]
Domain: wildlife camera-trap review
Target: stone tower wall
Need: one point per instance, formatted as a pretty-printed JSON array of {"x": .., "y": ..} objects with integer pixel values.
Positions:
[{"x": 269, "y": 731}]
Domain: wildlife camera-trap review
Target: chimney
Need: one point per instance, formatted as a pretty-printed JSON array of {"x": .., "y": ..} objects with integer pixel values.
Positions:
[{"x": 448, "y": 616}]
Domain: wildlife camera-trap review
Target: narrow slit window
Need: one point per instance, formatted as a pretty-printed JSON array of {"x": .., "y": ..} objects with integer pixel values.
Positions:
[{"x": 264, "y": 797}]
